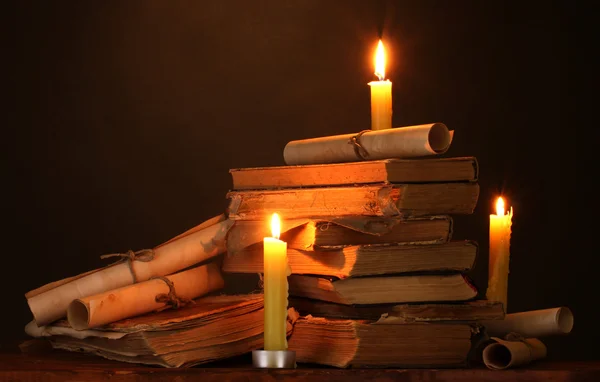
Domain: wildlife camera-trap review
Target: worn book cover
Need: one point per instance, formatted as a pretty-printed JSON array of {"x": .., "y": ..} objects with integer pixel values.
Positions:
[
  {"x": 431, "y": 170},
  {"x": 384, "y": 200},
  {"x": 363, "y": 260}
]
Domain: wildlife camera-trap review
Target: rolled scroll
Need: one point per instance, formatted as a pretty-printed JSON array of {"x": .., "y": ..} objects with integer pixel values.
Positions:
[
  {"x": 400, "y": 142},
  {"x": 50, "y": 302},
  {"x": 506, "y": 354},
  {"x": 155, "y": 294},
  {"x": 535, "y": 323}
]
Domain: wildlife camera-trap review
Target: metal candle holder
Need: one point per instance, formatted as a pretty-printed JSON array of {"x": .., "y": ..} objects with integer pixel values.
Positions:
[{"x": 274, "y": 359}]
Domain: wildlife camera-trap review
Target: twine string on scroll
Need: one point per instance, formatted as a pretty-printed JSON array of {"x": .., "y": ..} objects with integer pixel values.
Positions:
[
  {"x": 512, "y": 350},
  {"x": 170, "y": 299},
  {"x": 144, "y": 255},
  {"x": 512, "y": 336},
  {"x": 516, "y": 337},
  {"x": 359, "y": 149}
]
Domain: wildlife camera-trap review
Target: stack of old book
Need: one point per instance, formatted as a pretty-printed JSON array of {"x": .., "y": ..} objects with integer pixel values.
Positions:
[
  {"x": 375, "y": 272},
  {"x": 376, "y": 276}
]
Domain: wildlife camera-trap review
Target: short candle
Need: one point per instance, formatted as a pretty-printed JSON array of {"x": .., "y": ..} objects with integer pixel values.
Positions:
[
  {"x": 275, "y": 284},
  {"x": 500, "y": 231},
  {"x": 381, "y": 94}
]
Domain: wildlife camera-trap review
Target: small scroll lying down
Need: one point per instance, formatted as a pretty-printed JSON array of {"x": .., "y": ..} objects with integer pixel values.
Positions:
[
  {"x": 532, "y": 324},
  {"x": 399, "y": 142},
  {"x": 50, "y": 302},
  {"x": 154, "y": 294},
  {"x": 502, "y": 354}
]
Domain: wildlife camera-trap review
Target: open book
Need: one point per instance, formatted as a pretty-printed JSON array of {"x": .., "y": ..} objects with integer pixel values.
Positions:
[{"x": 212, "y": 328}]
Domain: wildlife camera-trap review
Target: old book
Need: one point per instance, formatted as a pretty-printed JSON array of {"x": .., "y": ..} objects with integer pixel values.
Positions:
[
  {"x": 477, "y": 310},
  {"x": 344, "y": 343},
  {"x": 387, "y": 200},
  {"x": 363, "y": 260},
  {"x": 381, "y": 171},
  {"x": 213, "y": 328},
  {"x": 334, "y": 232},
  {"x": 384, "y": 289}
]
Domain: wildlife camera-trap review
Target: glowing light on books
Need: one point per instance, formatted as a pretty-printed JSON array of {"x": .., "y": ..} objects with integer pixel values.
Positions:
[
  {"x": 381, "y": 93},
  {"x": 276, "y": 270},
  {"x": 500, "y": 231}
]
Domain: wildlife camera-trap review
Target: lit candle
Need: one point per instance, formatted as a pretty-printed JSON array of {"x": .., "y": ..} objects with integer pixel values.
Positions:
[
  {"x": 381, "y": 94},
  {"x": 276, "y": 270},
  {"x": 500, "y": 225}
]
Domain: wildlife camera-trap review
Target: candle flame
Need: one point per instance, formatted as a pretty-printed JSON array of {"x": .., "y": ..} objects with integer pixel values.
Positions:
[
  {"x": 275, "y": 226},
  {"x": 500, "y": 207},
  {"x": 380, "y": 61}
]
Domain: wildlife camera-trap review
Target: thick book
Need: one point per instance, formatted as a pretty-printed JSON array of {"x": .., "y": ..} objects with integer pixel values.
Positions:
[
  {"x": 387, "y": 200},
  {"x": 364, "y": 260},
  {"x": 476, "y": 310},
  {"x": 212, "y": 328},
  {"x": 345, "y": 343},
  {"x": 384, "y": 289},
  {"x": 380, "y": 171},
  {"x": 335, "y": 232}
]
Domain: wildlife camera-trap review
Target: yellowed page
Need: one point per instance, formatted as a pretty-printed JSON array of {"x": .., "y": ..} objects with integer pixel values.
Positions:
[
  {"x": 48, "y": 331},
  {"x": 133, "y": 300},
  {"x": 50, "y": 304},
  {"x": 399, "y": 142}
]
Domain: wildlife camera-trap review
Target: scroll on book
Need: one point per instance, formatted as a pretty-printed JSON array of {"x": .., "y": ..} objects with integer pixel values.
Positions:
[
  {"x": 144, "y": 297},
  {"x": 400, "y": 142},
  {"x": 50, "y": 302}
]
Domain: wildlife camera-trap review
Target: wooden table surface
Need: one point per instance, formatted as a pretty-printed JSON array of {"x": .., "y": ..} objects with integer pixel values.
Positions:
[{"x": 66, "y": 366}]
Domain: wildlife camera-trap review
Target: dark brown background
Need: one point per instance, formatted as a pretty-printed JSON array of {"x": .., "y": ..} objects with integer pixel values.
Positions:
[{"x": 125, "y": 117}]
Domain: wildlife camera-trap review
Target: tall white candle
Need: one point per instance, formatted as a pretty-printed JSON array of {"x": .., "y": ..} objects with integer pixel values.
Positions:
[{"x": 381, "y": 94}]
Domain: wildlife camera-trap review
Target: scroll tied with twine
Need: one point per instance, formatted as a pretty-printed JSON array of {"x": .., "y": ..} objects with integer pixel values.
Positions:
[
  {"x": 514, "y": 350},
  {"x": 50, "y": 302},
  {"x": 399, "y": 142},
  {"x": 515, "y": 340},
  {"x": 157, "y": 294}
]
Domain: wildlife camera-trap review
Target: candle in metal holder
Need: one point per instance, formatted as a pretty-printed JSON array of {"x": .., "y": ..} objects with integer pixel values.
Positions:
[{"x": 274, "y": 359}]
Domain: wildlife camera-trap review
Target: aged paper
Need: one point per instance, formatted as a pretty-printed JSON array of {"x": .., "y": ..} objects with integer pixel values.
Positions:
[
  {"x": 133, "y": 300},
  {"x": 532, "y": 324},
  {"x": 502, "y": 354},
  {"x": 50, "y": 302},
  {"x": 399, "y": 142}
]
